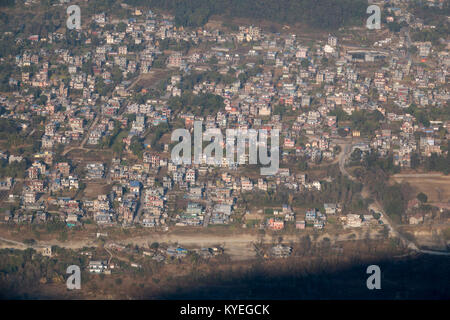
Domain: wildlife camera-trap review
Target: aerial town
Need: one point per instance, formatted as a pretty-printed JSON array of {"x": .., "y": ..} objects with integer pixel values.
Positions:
[{"x": 86, "y": 117}]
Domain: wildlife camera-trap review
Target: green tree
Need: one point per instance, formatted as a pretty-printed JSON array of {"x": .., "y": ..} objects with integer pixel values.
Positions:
[{"x": 422, "y": 197}]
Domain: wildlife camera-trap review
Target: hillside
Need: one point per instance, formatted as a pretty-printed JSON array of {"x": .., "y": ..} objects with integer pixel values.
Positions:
[{"x": 324, "y": 14}]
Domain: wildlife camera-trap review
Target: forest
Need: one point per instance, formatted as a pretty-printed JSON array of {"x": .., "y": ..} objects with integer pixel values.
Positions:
[
  {"x": 323, "y": 14},
  {"x": 202, "y": 104}
]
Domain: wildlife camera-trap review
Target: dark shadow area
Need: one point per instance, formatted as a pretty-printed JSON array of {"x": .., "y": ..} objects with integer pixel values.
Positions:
[{"x": 423, "y": 277}]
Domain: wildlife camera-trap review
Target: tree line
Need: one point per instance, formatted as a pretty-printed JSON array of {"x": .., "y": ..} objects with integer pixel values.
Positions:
[{"x": 324, "y": 14}]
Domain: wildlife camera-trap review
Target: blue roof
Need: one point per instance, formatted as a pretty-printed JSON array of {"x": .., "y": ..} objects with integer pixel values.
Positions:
[{"x": 135, "y": 183}]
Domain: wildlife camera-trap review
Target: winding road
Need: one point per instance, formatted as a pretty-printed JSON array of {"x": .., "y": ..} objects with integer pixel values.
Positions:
[
  {"x": 346, "y": 147},
  {"x": 239, "y": 245}
]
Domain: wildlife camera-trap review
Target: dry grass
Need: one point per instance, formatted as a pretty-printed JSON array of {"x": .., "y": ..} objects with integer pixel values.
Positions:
[
  {"x": 93, "y": 189},
  {"x": 151, "y": 79},
  {"x": 436, "y": 187}
]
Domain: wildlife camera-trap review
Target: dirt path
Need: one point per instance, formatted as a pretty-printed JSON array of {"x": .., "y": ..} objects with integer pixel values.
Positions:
[{"x": 81, "y": 147}]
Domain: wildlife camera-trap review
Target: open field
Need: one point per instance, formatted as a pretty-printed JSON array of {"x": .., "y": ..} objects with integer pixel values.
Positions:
[
  {"x": 238, "y": 245},
  {"x": 436, "y": 186},
  {"x": 150, "y": 79},
  {"x": 86, "y": 155},
  {"x": 93, "y": 189}
]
